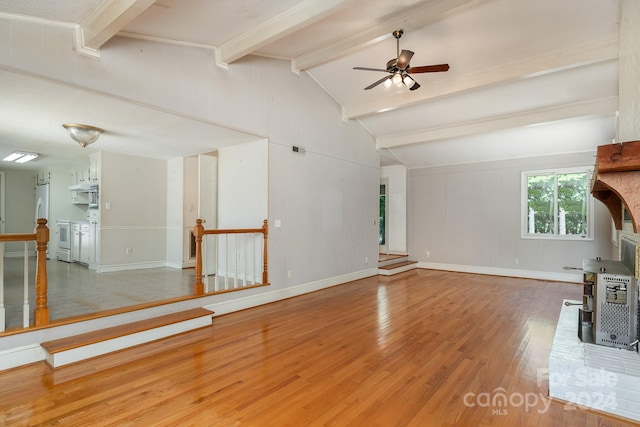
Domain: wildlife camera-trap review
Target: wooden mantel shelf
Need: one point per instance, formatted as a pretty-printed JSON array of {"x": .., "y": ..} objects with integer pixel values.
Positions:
[{"x": 616, "y": 180}]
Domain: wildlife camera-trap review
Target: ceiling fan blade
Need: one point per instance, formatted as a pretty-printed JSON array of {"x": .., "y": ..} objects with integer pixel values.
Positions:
[
  {"x": 370, "y": 69},
  {"x": 403, "y": 59},
  {"x": 372, "y": 85},
  {"x": 428, "y": 69}
]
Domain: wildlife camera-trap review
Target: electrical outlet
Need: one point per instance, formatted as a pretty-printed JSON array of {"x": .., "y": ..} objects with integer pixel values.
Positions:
[
  {"x": 427, "y": 253},
  {"x": 290, "y": 274},
  {"x": 516, "y": 261},
  {"x": 129, "y": 251},
  {"x": 366, "y": 260}
]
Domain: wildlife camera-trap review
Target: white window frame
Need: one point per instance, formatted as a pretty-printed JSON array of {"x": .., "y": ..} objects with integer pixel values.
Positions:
[{"x": 525, "y": 212}]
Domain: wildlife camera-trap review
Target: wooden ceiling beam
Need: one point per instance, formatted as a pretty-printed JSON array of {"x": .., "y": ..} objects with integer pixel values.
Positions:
[
  {"x": 289, "y": 21},
  {"x": 599, "y": 107},
  {"x": 420, "y": 15},
  {"x": 105, "y": 22}
]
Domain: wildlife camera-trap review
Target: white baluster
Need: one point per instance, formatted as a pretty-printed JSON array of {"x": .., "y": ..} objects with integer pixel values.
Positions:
[
  {"x": 25, "y": 305},
  {"x": 216, "y": 270},
  {"x": 205, "y": 262},
  {"x": 226, "y": 261},
  {"x": 253, "y": 260},
  {"x": 244, "y": 257},
  {"x": 235, "y": 276}
]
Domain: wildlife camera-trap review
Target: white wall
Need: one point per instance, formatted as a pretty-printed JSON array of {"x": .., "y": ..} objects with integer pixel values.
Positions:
[
  {"x": 468, "y": 218},
  {"x": 243, "y": 184},
  {"x": 20, "y": 205},
  {"x": 629, "y": 82},
  {"x": 135, "y": 189},
  {"x": 327, "y": 199},
  {"x": 175, "y": 201},
  {"x": 629, "y": 71},
  {"x": 397, "y": 207}
]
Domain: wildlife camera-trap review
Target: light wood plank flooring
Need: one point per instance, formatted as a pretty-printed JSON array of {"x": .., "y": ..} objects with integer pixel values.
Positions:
[
  {"x": 403, "y": 350},
  {"x": 76, "y": 290}
]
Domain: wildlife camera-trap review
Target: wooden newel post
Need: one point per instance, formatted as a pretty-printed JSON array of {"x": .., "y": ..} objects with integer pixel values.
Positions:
[
  {"x": 41, "y": 314},
  {"x": 265, "y": 270},
  {"x": 198, "y": 232}
]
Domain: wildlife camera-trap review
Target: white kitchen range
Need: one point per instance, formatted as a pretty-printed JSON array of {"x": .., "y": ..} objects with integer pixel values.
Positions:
[
  {"x": 69, "y": 200},
  {"x": 77, "y": 238}
]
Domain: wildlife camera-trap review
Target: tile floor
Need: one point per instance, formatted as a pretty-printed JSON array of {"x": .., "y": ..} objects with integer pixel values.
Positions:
[{"x": 74, "y": 289}]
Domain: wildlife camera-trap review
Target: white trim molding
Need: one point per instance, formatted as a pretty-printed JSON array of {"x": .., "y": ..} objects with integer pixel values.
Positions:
[{"x": 506, "y": 272}]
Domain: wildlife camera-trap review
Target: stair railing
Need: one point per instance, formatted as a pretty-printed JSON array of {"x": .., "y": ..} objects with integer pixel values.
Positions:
[
  {"x": 41, "y": 237},
  {"x": 234, "y": 258}
]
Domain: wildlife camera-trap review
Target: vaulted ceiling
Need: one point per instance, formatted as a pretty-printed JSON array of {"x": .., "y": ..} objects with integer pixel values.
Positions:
[{"x": 526, "y": 78}]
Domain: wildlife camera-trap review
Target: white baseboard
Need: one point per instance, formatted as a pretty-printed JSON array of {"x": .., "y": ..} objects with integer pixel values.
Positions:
[
  {"x": 19, "y": 254},
  {"x": 132, "y": 266},
  {"x": 237, "y": 304},
  {"x": 508, "y": 272},
  {"x": 19, "y": 356}
]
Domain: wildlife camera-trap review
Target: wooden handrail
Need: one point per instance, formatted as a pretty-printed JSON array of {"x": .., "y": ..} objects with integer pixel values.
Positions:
[
  {"x": 41, "y": 237},
  {"x": 199, "y": 232},
  {"x": 17, "y": 237}
]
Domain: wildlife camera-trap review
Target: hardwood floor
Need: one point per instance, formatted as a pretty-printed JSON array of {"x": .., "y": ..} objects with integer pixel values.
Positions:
[{"x": 422, "y": 348}]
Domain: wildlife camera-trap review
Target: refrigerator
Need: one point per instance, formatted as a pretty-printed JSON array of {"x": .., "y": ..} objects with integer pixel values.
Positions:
[{"x": 42, "y": 202}]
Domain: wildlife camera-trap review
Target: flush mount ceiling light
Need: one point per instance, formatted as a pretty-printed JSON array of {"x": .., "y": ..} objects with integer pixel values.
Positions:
[
  {"x": 20, "y": 157},
  {"x": 83, "y": 134}
]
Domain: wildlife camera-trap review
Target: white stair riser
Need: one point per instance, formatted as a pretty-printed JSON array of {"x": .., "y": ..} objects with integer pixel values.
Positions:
[
  {"x": 103, "y": 347},
  {"x": 384, "y": 272}
]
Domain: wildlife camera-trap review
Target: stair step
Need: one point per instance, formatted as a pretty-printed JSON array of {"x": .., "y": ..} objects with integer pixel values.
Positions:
[
  {"x": 386, "y": 260},
  {"x": 398, "y": 267},
  {"x": 96, "y": 343}
]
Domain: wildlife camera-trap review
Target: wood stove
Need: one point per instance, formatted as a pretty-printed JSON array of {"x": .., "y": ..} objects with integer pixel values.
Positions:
[{"x": 609, "y": 313}]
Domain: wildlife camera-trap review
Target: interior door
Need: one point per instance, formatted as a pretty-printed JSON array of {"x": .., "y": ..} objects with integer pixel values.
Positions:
[{"x": 208, "y": 205}]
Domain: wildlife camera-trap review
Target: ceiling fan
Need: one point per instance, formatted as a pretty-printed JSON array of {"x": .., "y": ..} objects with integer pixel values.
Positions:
[{"x": 399, "y": 69}]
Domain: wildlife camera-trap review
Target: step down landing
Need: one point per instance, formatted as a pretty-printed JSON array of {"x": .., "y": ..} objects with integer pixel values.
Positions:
[
  {"x": 96, "y": 343},
  {"x": 399, "y": 267}
]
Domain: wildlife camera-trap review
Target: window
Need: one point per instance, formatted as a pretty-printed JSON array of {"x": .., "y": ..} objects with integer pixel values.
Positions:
[{"x": 557, "y": 204}]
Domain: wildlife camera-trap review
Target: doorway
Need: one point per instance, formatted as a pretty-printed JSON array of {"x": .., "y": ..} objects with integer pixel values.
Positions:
[{"x": 383, "y": 217}]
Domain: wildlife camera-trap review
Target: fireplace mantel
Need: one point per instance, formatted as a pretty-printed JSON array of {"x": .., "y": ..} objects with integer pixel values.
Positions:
[{"x": 616, "y": 180}]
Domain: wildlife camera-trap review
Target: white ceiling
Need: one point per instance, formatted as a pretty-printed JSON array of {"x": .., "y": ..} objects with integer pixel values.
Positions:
[{"x": 527, "y": 77}]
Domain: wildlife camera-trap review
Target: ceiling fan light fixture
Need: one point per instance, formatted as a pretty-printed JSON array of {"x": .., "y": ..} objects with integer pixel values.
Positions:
[
  {"x": 408, "y": 81},
  {"x": 83, "y": 134},
  {"x": 399, "y": 69}
]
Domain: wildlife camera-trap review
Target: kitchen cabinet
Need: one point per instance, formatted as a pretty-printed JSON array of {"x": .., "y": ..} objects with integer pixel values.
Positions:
[
  {"x": 81, "y": 248},
  {"x": 80, "y": 176},
  {"x": 94, "y": 168},
  {"x": 43, "y": 176}
]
